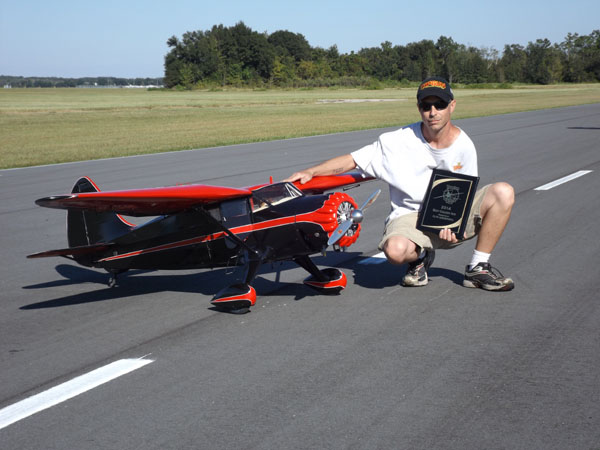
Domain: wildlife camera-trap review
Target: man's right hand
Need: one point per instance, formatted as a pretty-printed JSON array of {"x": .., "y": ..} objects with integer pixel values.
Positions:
[
  {"x": 339, "y": 164},
  {"x": 303, "y": 176}
]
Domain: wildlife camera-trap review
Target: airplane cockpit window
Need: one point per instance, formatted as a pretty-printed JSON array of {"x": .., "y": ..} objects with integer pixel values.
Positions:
[
  {"x": 215, "y": 212},
  {"x": 235, "y": 212},
  {"x": 274, "y": 194}
]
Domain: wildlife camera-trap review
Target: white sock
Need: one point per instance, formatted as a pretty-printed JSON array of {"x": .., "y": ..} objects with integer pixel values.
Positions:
[{"x": 478, "y": 257}]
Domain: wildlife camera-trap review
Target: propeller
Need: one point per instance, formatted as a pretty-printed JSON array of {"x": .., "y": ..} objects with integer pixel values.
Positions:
[{"x": 356, "y": 216}]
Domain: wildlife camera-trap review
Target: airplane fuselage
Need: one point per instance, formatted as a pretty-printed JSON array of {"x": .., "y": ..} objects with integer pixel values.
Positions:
[{"x": 188, "y": 240}]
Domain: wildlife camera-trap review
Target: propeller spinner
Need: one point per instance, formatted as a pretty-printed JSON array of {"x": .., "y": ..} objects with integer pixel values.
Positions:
[{"x": 356, "y": 216}]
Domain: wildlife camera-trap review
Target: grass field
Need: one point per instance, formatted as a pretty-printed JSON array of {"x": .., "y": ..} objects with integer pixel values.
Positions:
[{"x": 45, "y": 126}]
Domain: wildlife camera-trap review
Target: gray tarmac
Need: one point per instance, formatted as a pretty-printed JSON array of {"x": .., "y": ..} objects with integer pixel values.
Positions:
[{"x": 379, "y": 366}]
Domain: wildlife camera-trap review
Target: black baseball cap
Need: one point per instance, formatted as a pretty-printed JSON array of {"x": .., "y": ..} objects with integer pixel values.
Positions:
[{"x": 437, "y": 87}]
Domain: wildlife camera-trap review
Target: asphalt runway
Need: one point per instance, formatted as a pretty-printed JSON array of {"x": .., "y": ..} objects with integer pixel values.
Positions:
[{"x": 379, "y": 366}]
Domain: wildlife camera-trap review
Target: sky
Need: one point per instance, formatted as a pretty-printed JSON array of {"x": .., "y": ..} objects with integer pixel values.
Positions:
[{"x": 127, "y": 38}]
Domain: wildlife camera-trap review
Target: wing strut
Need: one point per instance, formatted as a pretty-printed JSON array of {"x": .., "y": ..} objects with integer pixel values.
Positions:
[{"x": 227, "y": 231}]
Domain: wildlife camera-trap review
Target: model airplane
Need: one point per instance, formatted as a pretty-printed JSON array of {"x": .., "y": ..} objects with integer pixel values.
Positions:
[{"x": 201, "y": 226}]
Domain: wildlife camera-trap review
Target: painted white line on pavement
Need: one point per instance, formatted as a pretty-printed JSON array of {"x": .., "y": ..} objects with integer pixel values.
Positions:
[
  {"x": 562, "y": 180},
  {"x": 375, "y": 259},
  {"x": 68, "y": 390}
]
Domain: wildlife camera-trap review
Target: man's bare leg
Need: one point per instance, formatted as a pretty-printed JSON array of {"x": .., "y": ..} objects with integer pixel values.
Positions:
[
  {"x": 495, "y": 212},
  {"x": 400, "y": 250}
]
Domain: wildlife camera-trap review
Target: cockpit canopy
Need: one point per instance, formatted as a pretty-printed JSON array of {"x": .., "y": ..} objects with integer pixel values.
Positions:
[{"x": 274, "y": 194}]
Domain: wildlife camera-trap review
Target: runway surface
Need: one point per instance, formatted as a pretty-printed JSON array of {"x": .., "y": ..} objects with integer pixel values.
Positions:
[{"x": 149, "y": 365}]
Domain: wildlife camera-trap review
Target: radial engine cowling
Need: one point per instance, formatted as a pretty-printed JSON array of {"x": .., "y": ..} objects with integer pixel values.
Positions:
[{"x": 337, "y": 209}]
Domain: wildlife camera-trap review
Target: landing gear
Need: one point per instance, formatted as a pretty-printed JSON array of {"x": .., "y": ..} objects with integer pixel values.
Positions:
[
  {"x": 238, "y": 298},
  {"x": 235, "y": 299},
  {"x": 327, "y": 281},
  {"x": 112, "y": 281}
]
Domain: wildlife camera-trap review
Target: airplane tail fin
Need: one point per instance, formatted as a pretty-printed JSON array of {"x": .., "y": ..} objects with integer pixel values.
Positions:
[{"x": 86, "y": 228}]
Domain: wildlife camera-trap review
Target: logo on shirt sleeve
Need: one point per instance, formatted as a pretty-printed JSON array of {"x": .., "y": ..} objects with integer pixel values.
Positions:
[{"x": 457, "y": 166}]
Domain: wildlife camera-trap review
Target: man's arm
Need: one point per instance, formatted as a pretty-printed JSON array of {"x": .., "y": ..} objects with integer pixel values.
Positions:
[{"x": 339, "y": 164}]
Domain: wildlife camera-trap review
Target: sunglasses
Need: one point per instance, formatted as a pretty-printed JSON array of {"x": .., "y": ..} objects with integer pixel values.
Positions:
[{"x": 439, "y": 105}]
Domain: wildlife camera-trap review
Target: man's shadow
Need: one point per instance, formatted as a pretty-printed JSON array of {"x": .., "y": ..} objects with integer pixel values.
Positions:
[{"x": 383, "y": 275}]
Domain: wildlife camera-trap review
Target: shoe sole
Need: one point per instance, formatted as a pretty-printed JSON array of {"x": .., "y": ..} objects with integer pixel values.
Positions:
[
  {"x": 487, "y": 287},
  {"x": 417, "y": 283}
]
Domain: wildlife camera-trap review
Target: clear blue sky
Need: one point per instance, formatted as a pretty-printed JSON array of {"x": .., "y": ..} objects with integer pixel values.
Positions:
[{"x": 127, "y": 38}]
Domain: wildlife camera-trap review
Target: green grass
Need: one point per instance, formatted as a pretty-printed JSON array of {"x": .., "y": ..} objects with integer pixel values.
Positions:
[{"x": 45, "y": 126}]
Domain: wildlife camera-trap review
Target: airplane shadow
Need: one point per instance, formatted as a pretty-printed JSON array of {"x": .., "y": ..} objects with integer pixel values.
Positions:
[
  {"x": 208, "y": 282},
  {"x": 130, "y": 284}
]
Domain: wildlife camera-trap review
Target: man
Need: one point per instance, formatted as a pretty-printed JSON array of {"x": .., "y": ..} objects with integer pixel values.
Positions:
[{"x": 404, "y": 159}]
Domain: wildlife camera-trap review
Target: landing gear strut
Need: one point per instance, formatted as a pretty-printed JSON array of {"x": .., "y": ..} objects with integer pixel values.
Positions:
[
  {"x": 112, "y": 281},
  {"x": 238, "y": 298}
]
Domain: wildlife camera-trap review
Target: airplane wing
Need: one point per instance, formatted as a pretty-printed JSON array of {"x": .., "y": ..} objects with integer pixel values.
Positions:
[
  {"x": 169, "y": 200},
  {"x": 320, "y": 184},
  {"x": 144, "y": 202}
]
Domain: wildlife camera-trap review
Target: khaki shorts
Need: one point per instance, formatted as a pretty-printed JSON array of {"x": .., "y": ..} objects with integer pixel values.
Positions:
[{"x": 407, "y": 226}]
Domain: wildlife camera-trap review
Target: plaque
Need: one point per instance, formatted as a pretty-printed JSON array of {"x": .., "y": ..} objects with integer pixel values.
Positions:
[{"x": 447, "y": 202}]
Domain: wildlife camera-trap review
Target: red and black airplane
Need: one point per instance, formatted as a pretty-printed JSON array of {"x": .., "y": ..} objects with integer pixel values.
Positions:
[{"x": 202, "y": 226}]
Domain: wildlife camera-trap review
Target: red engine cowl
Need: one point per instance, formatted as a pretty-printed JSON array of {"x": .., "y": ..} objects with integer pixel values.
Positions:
[{"x": 335, "y": 210}]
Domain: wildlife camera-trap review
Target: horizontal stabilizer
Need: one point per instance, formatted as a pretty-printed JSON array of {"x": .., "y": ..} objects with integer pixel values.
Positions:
[
  {"x": 144, "y": 202},
  {"x": 72, "y": 251}
]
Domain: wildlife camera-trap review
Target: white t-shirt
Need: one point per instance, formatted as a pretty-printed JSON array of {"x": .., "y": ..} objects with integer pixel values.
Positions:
[{"x": 405, "y": 160}]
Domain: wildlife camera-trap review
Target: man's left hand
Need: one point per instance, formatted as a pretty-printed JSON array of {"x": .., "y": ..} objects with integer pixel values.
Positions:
[{"x": 448, "y": 235}]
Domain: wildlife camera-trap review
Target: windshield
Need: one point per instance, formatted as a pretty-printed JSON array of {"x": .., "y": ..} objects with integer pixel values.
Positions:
[{"x": 274, "y": 194}]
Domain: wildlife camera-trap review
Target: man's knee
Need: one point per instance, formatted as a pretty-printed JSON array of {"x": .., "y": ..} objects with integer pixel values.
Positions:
[
  {"x": 501, "y": 196},
  {"x": 399, "y": 250},
  {"x": 504, "y": 194}
]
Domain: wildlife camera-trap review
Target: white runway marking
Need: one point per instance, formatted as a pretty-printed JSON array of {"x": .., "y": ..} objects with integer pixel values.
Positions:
[
  {"x": 68, "y": 390},
  {"x": 375, "y": 259},
  {"x": 562, "y": 180}
]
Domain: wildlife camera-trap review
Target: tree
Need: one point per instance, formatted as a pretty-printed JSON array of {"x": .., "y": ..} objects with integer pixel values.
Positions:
[
  {"x": 286, "y": 43},
  {"x": 423, "y": 56},
  {"x": 384, "y": 62},
  {"x": 352, "y": 65},
  {"x": 235, "y": 54},
  {"x": 471, "y": 66},
  {"x": 581, "y": 57},
  {"x": 307, "y": 70},
  {"x": 240, "y": 56},
  {"x": 284, "y": 70},
  {"x": 543, "y": 62},
  {"x": 253, "y": 50},
  {"x": 513, "y": 63},
  {"x": 448, "y": 50}
]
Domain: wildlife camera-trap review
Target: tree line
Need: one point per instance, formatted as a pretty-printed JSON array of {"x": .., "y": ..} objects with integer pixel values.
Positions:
[
  {"x": 239, "y": 56},
  {"x": 48, "y": 82}
]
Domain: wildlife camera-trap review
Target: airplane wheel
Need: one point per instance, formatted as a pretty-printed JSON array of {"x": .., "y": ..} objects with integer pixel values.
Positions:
[
  {"x": 235, "y": 299},
  {"x": 112, "y": 281},
  {"x": 337, "y": 281}
]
